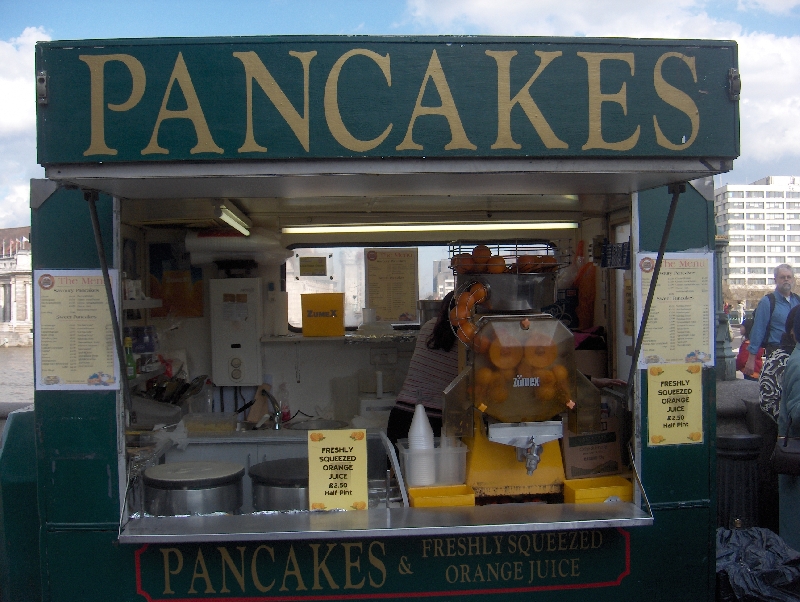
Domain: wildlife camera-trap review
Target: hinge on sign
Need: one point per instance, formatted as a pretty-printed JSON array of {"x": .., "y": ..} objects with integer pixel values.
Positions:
[
  {"x": 41, "y": 87},
  {"x": 734, "y": 84}
]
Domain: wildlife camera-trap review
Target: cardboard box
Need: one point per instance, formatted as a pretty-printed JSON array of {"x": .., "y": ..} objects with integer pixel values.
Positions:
[
  {"x": 597, "y": 453},
  {"x": 323, "y": 314}
]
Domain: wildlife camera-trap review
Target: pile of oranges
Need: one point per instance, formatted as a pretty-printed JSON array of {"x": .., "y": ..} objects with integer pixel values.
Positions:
[
  {"x": 521, "y": 376},
  {"x": 482, "y": 261}
]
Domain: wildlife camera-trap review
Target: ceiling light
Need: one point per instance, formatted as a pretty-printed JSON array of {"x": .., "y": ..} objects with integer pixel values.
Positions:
[
  {"x": 468, "y": 227},
  {"x": 232, "y": 216}
]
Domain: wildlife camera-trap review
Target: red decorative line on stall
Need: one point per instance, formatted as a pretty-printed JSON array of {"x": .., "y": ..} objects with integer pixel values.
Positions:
[{"x": 393, "y": 595}]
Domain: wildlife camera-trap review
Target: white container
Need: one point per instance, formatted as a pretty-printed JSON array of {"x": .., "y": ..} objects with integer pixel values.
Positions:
[{"x": 450, "y": 463}]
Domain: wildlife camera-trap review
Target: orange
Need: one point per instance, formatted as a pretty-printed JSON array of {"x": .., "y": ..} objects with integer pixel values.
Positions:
[
  {"x": 496, "y": 264},
  {"x": 465, "y": 300},
  {"x": 508, "y": 374},
  {"x": 481, "y": 254},
  {"x": 481, "y": 343},
  {"x": 505, "y": 352},
  {"x": 498, "y": 393},
  {"x": 546, "y": 393},
  {"x": 478, "y": 292},
  {"x": 546, "y": 377},
  {"x": 463, "y": 263},
  {"x": 484, "y": 375},
  {"x": 455, "y": 319},
  {"x": 540, "y": 350},
  {"x": 561, "y": 372},
  {"x": 466, "y": 332}
]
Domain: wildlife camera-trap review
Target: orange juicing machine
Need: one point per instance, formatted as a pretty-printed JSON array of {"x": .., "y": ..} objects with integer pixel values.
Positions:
[{"x": 517, "y": 384}]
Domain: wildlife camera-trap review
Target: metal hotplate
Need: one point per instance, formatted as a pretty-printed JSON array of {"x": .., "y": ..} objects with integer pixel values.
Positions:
[{"x": 383, "y": 522}]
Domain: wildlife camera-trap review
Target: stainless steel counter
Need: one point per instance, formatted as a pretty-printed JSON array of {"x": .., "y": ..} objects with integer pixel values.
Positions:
[{"x": 383, "y": 522}]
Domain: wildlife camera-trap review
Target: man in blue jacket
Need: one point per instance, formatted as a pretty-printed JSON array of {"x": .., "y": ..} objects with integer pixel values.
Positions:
[{"x": 770, "y": 315}]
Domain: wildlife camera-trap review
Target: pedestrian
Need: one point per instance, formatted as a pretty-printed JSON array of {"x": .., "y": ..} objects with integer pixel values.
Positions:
[
  {"x": 744, "y": 354},
  {"x": 770, "y": 383},
  {"x": 769, "y": 318},
  {"x": 789, "y": 420}
]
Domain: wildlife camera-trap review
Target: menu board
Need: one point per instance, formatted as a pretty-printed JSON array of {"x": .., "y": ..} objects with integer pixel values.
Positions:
[
  {"x": 392, "y": 277},
  {"x": 680, "y": 326},
  {"x": 75, "y": 346},
  {"x": 674, "y": 404},
  {"x": 337, "y": 470}
]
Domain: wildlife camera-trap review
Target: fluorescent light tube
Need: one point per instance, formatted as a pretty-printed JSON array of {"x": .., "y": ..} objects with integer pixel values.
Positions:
[
  {"x": 229, "y": 214},
  {"x": 469, "y": 227}
]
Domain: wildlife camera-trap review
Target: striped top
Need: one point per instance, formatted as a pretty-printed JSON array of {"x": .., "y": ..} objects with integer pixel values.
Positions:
[{"x": 429, "y": 373}]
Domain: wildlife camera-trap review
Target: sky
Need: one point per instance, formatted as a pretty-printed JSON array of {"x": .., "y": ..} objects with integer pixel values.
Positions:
[{"x": 767, "y": 32}]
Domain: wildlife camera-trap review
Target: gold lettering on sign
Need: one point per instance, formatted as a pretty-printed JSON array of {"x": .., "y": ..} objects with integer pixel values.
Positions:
[
  {"x": 377, "y": 563},
  {"x": 291, "y": 559},
  {"x": 522, "y": 98},
  {"x": 458, "y": 137},
  {"x": 201, "y": 574},
  {"x": 237, "y": 574},
  {"x": 254, "y": 568},
  {"x": 332, "y": 113},
  {"x": 165, "y": 552},
  {"x": 255, "y": 70},
  {"x": 193, "y": 112},
  {"x": 321, "y": 566},
  {"x": 597, "y": 98},
  {"x": 97, "y": 63},
  {"x": 676, "y": 98},
  {"x": 350, "y": 564}
]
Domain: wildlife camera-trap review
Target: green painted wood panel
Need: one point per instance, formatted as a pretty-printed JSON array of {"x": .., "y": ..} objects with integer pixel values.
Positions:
[
  {"x": 692, "y": 228},
  {"x": 324, "y": 97},
  {"x": 61, "y": 232}
]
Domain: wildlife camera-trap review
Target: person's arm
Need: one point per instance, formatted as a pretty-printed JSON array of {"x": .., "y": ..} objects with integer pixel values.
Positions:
[
  {"x": 760, "y": 326},
  {"x": 608, "y": 382},
  {"x": 791, "y": 392}
]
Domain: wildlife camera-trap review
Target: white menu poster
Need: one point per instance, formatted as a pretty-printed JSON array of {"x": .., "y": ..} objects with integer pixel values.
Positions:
[
  {"x": 74, "y": 336},
  {"x": 392, "y": 283},
  {"x": 680, "y": 329}
]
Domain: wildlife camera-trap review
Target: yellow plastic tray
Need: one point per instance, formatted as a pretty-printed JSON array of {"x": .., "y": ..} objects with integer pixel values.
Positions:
[
  {"x": 446, "y": 495},
  {"x": 597, "y": 489}
]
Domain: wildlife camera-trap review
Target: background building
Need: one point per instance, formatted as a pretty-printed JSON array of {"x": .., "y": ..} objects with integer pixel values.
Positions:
[
  {"x": 16, "y": 301},
  {"x": 762, "y": 223}
]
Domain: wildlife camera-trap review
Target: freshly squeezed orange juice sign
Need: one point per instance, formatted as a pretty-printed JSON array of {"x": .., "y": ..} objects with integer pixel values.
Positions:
[
  {"x": 674, "y": 404},
  {"x": 337, "y": 470}
]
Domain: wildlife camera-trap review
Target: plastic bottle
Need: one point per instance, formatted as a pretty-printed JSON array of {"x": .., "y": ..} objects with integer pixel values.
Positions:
[
  {"x": 283, "y": 400},
  {"x": 130, "y": 361}
]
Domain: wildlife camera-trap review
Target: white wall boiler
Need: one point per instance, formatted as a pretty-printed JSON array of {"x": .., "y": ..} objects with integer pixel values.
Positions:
[{"x": 236, "y": 318}]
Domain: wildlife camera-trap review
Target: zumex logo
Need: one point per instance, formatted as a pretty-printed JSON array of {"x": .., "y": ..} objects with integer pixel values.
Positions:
[
  {"x": 523, "y": 381},
  {"x": 321, "y": 314}
]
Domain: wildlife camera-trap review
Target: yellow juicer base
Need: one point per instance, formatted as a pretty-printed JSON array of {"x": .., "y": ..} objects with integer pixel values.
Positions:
[{"x": 493, "y": 468}]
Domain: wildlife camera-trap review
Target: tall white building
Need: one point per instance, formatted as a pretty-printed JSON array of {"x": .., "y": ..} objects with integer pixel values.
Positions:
[{"x": 762, "y": 223}]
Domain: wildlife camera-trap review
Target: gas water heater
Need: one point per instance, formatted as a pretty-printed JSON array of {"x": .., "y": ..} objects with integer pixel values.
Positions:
[{"x": 236, "y": 314}]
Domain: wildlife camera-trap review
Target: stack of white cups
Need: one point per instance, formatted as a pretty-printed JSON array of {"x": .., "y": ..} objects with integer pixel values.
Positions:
[{"x": 421, "y": 469}]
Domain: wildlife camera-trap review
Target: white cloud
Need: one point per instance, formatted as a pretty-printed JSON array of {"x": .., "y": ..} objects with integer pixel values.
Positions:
[
  {"x": 18, "y": 81},
  {"x": 777, "y": 7},
  {"x": 18, "y": 126},
  {"x": 15, "y": 207}
]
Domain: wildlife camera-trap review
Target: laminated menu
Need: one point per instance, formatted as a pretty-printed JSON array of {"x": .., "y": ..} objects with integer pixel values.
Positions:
[
  {"x": 681, "y": 321},
  {"x": 75, "y": 347}
]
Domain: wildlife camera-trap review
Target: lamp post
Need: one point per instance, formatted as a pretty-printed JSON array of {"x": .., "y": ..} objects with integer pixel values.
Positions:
[{"x": 725, "y": 359}]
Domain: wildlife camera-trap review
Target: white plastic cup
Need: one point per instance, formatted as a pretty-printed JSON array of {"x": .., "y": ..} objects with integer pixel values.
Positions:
[{"x": 420, "y": 435}]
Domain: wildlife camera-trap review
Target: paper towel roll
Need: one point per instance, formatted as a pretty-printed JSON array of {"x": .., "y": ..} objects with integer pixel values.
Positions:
[{"x": 281, "y": 314}]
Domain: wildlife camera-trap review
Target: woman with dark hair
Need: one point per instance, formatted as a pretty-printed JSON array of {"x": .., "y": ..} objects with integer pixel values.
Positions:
[
  {"x": 771, "y": 380},
  {"x": 433, "y": 366},
  {"x": 789, "y": 424},
  {"x": 744, "y": 353}
]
